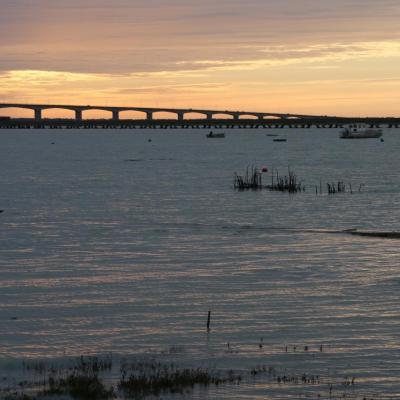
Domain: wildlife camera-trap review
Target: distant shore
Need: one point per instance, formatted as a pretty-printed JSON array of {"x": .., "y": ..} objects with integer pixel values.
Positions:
[{"x": 329, "y": 122}]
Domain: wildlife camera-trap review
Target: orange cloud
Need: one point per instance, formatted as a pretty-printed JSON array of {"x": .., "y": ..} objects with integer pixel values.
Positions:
[{"x": 306, "y": 56}]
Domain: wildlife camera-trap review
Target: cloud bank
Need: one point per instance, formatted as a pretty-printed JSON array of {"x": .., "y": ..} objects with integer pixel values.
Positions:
[
  {"x": 301, "y": 56},
  {"x": 97, "y": 36}
]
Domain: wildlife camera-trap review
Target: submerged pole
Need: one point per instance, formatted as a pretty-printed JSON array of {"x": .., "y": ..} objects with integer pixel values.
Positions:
[{"x": 208, "y": 320}]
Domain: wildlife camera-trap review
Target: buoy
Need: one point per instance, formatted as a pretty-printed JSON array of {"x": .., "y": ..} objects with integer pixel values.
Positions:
[{"x": 264, "y": 169}]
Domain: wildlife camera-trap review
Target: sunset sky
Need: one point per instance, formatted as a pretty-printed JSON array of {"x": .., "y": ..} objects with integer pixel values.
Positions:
[{"x": 330, "y": 57}]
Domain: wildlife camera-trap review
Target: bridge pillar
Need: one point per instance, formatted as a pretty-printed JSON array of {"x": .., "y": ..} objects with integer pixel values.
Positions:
[
  {"x": 115, "y": 114},
  {"x": 180, "y": 115},
  {"x": 149, "y": 115},
  {"x": 78, "y": 115},
  {"x": 38, "y": 114},
  {"x": 235, "y": 117},
  {"x": 260, "y": 117},
  {"x": 209, "y": 116}
]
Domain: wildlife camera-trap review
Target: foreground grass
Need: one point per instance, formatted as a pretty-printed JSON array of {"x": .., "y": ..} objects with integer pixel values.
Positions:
[
  {"x": 147, "y": 379},
  {"x": 83, "y": 381},
  {"x": 79, "y": 387}
]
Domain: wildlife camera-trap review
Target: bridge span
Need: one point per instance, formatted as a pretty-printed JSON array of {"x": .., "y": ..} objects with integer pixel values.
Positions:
[
  {"x": 210, "y": 118},
  {"x": 148, "y": 112}
]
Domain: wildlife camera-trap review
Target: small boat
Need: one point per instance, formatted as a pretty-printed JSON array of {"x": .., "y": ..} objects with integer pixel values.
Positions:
[
  {"x": 279, "y": 140},
  {"x": 215, "y": 135},
  {"x": 359, "y": 132}
]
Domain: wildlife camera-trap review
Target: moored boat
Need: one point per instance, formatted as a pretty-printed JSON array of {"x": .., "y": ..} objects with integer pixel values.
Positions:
[
  {"x": 215, "y": 135},
  {"x": 357, "y": 132}
]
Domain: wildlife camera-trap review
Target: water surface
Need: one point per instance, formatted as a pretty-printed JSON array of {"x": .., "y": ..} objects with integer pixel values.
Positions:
[{"x": 112, "y": 243}]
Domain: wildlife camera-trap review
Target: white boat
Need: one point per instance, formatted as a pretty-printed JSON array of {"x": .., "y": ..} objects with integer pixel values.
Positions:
[
  {"x": 359, "y": 132},
  {"x": 215, "y": 135}
]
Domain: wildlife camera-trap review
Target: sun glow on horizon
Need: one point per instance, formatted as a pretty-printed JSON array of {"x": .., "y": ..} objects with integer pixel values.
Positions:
[{"x": 319, "y": 79}]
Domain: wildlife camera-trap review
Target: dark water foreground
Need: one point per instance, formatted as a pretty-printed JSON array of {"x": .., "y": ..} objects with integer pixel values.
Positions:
[{"x": 110, "y": 243}]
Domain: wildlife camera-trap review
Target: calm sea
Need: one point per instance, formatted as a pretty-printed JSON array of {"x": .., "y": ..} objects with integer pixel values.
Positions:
[{"x": 121, "y": 241}]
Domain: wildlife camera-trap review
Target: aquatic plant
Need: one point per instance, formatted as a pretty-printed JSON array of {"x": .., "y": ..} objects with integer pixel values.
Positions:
[
  {"x": 287, "y": 183},
  {"x": 93, "y": 365},
  {"x": 251, "y": 180},
  {"x": 149, "y": 378},
  {"x": 152, "y": 379},
  {"x": 338, "y": 187},
  {"x": 79, "y": 387}
]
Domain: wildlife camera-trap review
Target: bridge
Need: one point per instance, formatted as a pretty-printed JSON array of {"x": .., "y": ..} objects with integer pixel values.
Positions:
[
  {"x": 210, "y": 118},
  {"x": 148, "y": 112}
]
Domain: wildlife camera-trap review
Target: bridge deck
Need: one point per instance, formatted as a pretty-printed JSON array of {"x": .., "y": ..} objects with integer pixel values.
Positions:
[{"x": 148, "y": 111}]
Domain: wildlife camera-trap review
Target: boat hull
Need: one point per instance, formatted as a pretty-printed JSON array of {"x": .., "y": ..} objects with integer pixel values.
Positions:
[{"x": 364, "y": 134}]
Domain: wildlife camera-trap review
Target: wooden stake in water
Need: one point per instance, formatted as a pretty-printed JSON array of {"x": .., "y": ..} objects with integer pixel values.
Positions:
[{"x": 208, "y": 320}]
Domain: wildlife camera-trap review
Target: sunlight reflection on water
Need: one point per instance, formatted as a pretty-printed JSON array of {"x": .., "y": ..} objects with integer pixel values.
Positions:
[{"x": 99, "y": 254}]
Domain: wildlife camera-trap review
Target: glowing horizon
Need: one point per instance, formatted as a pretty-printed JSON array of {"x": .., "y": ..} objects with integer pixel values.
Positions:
[{"x": 268, "y": 56}]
